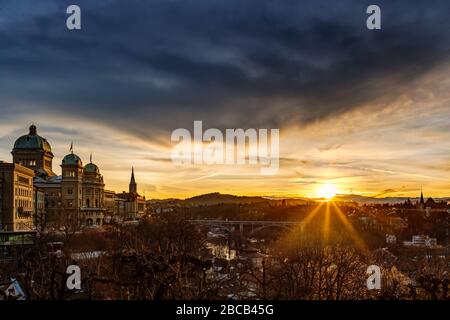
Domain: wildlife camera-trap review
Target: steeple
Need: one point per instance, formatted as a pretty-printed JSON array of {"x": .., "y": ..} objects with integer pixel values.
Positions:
[
  {"x": 133, "y": 186},
  {"x": 422, "y": 201}
]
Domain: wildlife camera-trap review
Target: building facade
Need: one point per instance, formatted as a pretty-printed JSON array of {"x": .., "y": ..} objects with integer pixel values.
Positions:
[
  {"x": 32, "y": 194},
  {"x": 132, "y": 202},
  {"x": 17, "y": 198}
]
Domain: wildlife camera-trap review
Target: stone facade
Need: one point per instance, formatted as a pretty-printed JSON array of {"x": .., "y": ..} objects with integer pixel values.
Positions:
[{"x": 17, "y": 198}]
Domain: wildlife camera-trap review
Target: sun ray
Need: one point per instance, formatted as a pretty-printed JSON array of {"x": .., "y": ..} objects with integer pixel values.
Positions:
[
  {"x": 352, "y": 232},
  {"x": 326, "y": 224},
  {"x": 311, "y": 215}
]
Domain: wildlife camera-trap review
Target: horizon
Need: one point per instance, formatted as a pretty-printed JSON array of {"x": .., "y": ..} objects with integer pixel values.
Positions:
[{"x": 125, "y": 174}]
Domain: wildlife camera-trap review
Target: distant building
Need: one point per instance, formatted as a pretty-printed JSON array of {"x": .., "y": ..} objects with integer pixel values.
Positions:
[
  {"x": 79, "y": 190},
  {"x": 17, "y": 198},
  {"x": 391, "y": 239},
  {"x": 133, "y": 203},
  {"x": 33, "y": 195},
  {"x": 421, "y": 241},
  {"x": 110, "y": 203}
]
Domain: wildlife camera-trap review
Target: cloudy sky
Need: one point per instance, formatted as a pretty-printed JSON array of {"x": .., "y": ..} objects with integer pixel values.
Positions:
[{"x": 367, "y": 111}]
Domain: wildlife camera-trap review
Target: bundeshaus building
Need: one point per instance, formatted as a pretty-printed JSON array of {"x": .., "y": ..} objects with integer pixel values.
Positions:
[{"x": 32, "y": 195}]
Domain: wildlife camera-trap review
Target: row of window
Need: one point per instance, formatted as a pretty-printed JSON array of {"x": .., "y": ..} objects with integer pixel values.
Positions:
[
  {"x": 90, "y": 222},
  {"x": 69, "y": 173},
  {"x": 24, "y": 192},
  {"x": 33, "y": 162},
  {"x": 90, "y": 214},
  {"x": 87, "y": 192},
  {"x": 70, "y": 191},
  {"x": 22, "y": 203},
  {"x": 23, "y": 180},
  {"x": 88, "y": 203},
  {"x": 27, "y": 162}
]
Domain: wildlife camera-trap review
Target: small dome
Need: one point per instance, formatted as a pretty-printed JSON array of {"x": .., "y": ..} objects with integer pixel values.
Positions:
[
  {"x": 72, "y": 159},
  {"x": 32, "y": 141},
  {"x": 90, "y": 167}
]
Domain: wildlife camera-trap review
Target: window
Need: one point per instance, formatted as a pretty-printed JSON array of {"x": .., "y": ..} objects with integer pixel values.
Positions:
[
  {"x": 23, "y": 180},
  {"x": 69, "y": 191},
  {"x": 70, "y": 173}
]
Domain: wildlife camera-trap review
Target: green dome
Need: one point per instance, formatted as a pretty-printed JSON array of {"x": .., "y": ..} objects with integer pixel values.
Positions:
[
  {"x": 90, "y": 167},
  {"x": 72, "y": 159},
  {"x": 32, "y": 141}
]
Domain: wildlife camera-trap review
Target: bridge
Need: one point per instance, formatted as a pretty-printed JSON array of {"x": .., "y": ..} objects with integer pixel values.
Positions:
[{"x": 256, "y": 225}]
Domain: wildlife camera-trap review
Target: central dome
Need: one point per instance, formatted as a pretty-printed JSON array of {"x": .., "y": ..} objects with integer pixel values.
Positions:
[
  {"x": 32, "y": 141},
  {"x": 72, "y": 159}
]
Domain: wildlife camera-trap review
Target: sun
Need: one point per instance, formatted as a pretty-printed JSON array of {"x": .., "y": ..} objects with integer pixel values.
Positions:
[{"x": 327, "y": 191}]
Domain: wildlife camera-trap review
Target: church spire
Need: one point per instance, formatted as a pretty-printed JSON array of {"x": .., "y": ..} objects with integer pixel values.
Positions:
[
  {"x": 133, "y": 185},
  {"x": 422, "y": 201}
]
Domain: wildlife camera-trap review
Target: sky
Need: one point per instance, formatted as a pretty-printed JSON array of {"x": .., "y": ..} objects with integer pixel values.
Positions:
[{"x": 366, "y": 111}]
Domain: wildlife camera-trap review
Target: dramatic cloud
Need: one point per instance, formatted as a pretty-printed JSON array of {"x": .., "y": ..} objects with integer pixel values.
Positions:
[{"x": 160, "y": 64}]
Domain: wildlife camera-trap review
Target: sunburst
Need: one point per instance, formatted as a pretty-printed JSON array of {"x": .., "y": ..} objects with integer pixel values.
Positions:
[{"x": 327, "y": 191}]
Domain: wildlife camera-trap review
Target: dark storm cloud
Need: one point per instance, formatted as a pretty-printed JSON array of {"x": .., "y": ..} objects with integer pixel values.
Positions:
[{"x": 254, "y": 63}]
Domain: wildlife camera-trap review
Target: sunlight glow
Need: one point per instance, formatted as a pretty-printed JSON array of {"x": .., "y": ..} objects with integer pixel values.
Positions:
[{"x": 327, "y": 191}]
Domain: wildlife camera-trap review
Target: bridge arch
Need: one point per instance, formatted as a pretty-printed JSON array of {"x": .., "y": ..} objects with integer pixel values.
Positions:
[{"x": 256, "y": 230}]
